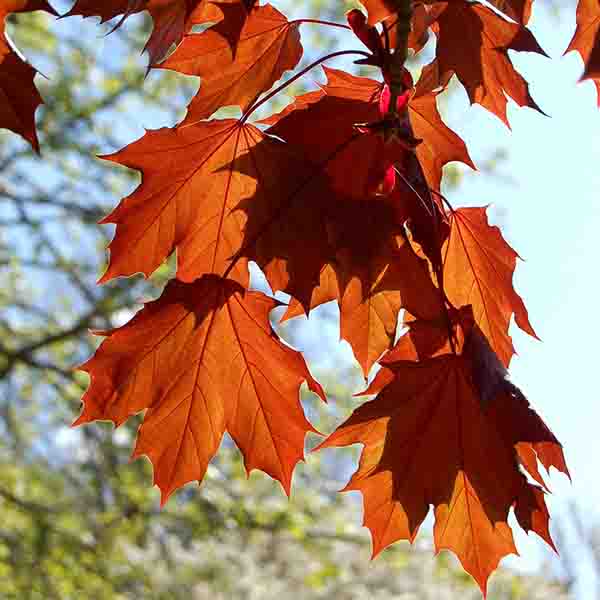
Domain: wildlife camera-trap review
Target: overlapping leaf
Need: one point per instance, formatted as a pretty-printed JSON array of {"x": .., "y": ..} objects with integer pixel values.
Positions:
[
  {"x": 473, "y": 42},
  {"x": 375, "y": 273},
  {"x": 203, "y": 359},
  {"x": 429, "y": 439},
  {"x": 323, "y": 123},
  {"x": 478, "y": 270},
  {"x": 221, "y": 192},
  {"x": 268, "y": 46},
  {"x": 19, "y": 97},
  {"x": 586, "y": 40},
  {"x": 172, "y": 18},
  {"x": 192, "y": 183}
]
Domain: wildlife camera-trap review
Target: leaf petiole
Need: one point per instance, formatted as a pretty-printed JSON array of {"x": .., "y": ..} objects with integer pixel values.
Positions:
[
  {"x": 297, "y": 76},
  {"x": 319, "y": 22}
]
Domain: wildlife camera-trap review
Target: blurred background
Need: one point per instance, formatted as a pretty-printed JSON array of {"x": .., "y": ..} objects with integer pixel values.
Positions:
[{"x": 80, "y": 521}]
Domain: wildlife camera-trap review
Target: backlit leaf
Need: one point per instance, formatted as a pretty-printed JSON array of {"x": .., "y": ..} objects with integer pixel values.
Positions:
[
  {"x": 586, "y": 40},
  {"x": 203, "y": 359},
  {"x": 478, "y": 270},
  {"x": 428, "y": 440},
  {"x": 268, "y": 46},
  {"x": 19, "y": 97}
]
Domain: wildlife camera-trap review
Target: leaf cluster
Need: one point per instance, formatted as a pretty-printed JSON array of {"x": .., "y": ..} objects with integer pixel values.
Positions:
[{"x": 336, "y": 198}]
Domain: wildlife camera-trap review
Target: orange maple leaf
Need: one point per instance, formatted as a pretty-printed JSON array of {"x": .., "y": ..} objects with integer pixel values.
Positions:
[
  {"x": 586, "y": 40},
  {"x": 172, "y": 18},
  {"x": 203, "y": 359},
  {"x": 374, "y": 274},
  {"x": 19, "y": 98},
  {"x": 430, "y": 438},
  {"x": 473, "y": 42},
  {"x": 211, "y": 191},
  {"x": 187, "y": 198},
  {"x": 268, "y": 46},
  {"x": 478, "y": 270}
]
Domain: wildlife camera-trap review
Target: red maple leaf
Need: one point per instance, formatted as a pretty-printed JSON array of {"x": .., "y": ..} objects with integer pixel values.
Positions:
[
  {"x": 268, "y": 46},
  {"x": 586, "y": 40},
  {"x": 478, "y": 270},
  {"x": 203, "y": 359},
  {"x": 332, "y": 138},
  {"x": 429, "y": 439},
  {"x": 19, "y": 97},
  {"x": 172, "y": 18},
  {"x": 473, "y": 42},
  {"x": 372, "y": 279}
]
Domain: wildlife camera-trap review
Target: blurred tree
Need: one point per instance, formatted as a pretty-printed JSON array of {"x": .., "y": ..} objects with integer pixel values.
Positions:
[{"x": 79, "y": 521}]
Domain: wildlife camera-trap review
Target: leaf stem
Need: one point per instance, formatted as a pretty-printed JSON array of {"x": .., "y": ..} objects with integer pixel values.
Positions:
[
  {"x": 386, "y": 36},
  {"x": 438, "y": 269},
  {"x": 291, "y": 80},
  {"x": 319, "y": 22},
  {"x": 413, "y": 190},
  {"x": 444, "y": 200},
  {"x": 404, "y": 11}
]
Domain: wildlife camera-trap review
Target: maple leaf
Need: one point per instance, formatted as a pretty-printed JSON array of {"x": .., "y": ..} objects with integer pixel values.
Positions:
[
  {"x": 322, "y": 123},
  {"x": 532, "y": 513},
  {"x": 379, "y": 10},
  {"x": 203, "y": 359},
  {"x": 190, "y": 188},
  {"x": 429, "y": 439},
  {"x": 268, "y": 46},
  {"x": 346, "y": 100},
  {"x": 222, "y": 191},
  {"x": 440, "y": 144},
  {"x": 19, "y": 98},
  {"x": 473, "y": 42},
  {"x": 172, "y": 18},
  {"x": 369, "y": 36},
  {"x": 586, "y": 40},
  {"x": 517, "y": 10},
  {"x": 478, "y": 270},
  {"x": 332, "y": 138},
  {"x": 372, "y": 278},
  {"x": 424, "y": 16}
]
